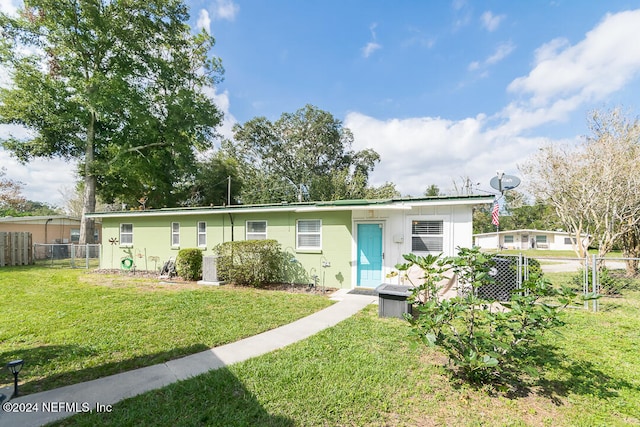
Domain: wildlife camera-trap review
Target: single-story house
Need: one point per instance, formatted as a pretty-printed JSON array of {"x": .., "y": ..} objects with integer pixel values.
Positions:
[
  {"x": 525, "y": 239},
  {"x": 346, "y": 243},
  {"x": 47, "y": 229}
]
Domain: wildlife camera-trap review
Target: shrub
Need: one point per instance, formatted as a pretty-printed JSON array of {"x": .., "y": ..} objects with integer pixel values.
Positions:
[
  {"x": 189, "y": 264},
  {"x": 484, "y": 341},
  {"x": 609, "y": 283},
  {"x": 250, "y": 262}
]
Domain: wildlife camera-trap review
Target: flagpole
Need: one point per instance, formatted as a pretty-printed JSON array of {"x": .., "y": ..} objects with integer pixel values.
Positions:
[{"x": 495, "y": 219}]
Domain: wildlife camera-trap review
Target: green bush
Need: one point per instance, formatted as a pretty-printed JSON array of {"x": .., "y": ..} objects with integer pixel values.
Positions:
[
  {"x": 250, "y": 262},
  {"x": 485, "y": 342},
  {"x": 534, "y": 268},
  {"x": 189, "y": 264},
  {"x": 609, "y": 283}
]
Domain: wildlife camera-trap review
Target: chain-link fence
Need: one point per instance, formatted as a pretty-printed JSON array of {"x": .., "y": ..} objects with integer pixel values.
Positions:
[
  {"x": 67, "y": 255},
  {"x": 508, "y": 273},
  {"x": 593, "y": 276}
]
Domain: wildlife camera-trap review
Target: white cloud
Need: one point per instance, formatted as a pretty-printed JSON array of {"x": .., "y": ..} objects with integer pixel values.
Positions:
[
  {"x": 204, "y": 21},
  {"x": 9, "y": 7},
  {"x": 225, "y": 10},
  {"x": 417, "y": 152},
  {"x": 490, "y": 21},
  {"x": 502, "y": 51},
  {"x": 222, "y": 102},
  {"x": 602, "y": 63},
  {"x": 461, "y": 14},
  {"x": 43, "y": 178},
  {"x": 373, "y": 45},
  {"x": 370, "y": 48}
]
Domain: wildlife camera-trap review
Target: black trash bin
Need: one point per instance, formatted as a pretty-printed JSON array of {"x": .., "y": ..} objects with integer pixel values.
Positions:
[{"x": 392, "y": 300}]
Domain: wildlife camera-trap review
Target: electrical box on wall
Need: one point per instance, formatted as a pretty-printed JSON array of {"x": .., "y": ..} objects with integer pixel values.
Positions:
[{"x": 398, "y": 238}]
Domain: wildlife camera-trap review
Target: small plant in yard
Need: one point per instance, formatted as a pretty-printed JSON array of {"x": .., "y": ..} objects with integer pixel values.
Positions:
[
  {"x": 189, "y": 264},
  {"x": 485, "y": 340}
]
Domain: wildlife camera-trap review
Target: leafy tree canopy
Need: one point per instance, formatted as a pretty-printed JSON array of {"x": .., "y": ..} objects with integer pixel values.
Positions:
[
  {"x": 518, "y": 213},
  {"x": 119, "y": 86},
  {"x": 305, "y": 155}
]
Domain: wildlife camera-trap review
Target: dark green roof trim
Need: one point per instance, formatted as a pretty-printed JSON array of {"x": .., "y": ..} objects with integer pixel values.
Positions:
[{"x": 358, "y": 203}]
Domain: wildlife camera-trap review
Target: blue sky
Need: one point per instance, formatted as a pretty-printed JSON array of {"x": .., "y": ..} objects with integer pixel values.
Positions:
[{"x": 441, "y": 89}]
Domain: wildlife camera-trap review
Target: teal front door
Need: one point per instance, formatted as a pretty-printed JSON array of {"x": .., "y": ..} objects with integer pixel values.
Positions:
[{"x": 369, "y": 247}]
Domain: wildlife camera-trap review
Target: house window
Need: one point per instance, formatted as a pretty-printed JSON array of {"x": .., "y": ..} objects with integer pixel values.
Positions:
[
  {"x": 308, "y": 234},
  {"x": 175, "y": 234},
  {"x": 427, "y": 236},
  {"x": 568, "y": 240},
  {"x": 126, "y": 234},
  {"x": 256, "y": 230},
  {"x": 541, "y": 239},
  {"x": 508, "y": 239},
  {"x": 202, "y": 234}
]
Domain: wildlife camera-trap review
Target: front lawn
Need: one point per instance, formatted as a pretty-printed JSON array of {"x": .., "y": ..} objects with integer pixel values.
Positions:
[
  {"x": 367, "y": 371},
  {"x": 73, "y": 325}
]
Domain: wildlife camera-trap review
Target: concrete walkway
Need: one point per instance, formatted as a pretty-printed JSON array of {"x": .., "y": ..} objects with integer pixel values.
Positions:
[{"x": 100, "y": 394}]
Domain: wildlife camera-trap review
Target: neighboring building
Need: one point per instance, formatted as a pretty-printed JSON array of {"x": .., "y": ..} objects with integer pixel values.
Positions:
[
  {"x": 348, "y": 243},
  {"x": 47, "y": 229},
  {"x": 525, "y": 239}
]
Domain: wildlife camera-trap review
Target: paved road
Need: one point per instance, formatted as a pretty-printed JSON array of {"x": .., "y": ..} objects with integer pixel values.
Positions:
[{"x": 559, "y": 266}]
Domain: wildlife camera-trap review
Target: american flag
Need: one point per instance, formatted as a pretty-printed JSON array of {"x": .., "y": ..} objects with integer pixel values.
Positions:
[{"x": 495, "y": 214}]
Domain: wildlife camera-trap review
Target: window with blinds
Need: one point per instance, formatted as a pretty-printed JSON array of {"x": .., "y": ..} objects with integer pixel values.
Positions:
[
  {"x": 256, "y": 230},
  {"x": 427, "y": 236},
  {"x": 126, "y": 234},
  {"x": 309, "y": 234},
  {"x": 202, "y": 234},
  {"x": 175, "y": 234}
]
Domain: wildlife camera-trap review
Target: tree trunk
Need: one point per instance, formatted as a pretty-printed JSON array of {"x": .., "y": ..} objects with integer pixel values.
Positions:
[
  {"x": 631, "y": 249},
  {"x": 87, "y": 225}
]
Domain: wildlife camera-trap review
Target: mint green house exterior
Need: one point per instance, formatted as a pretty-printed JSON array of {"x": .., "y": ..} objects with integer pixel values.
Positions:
[{"x": 346, "y": 244}]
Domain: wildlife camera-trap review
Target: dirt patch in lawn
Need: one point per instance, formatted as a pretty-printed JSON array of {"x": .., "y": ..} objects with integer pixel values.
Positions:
[{"x": 151, "y": 280}]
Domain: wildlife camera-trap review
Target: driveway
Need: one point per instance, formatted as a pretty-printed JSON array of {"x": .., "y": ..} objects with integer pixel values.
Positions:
[{"x": 550, "y": 265}]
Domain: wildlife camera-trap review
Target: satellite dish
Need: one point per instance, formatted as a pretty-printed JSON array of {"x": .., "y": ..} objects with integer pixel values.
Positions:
[{"x": 508, "y": 182}]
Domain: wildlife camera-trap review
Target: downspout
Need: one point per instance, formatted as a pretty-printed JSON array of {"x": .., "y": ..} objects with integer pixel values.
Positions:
[{"x": 45, "y": 229}]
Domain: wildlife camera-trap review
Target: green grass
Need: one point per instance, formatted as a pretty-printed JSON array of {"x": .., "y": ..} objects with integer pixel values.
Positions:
[
  {"x": 73, "y": 325},
  {"x": 367, "y": 371}
]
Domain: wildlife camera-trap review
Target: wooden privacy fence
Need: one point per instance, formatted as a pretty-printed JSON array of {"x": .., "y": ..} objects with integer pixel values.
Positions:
[{"x": 15, "y": 248}]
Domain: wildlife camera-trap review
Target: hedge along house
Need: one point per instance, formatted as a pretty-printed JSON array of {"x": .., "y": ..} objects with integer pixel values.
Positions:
[{"x": 346, "y": 244}]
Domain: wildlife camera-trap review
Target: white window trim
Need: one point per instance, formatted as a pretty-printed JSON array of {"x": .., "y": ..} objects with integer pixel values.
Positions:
[
  {"x": 121, "y": 234},
  {"x": 319, "y": 233},
  {"x": 175, "y": 233},
  {"x": 247, "y": 233},
  {"x": 445, "y": 236},
  {"x": 199, "y": 233}
]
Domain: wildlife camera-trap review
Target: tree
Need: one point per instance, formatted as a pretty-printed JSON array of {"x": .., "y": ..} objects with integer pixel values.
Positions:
[
  {"x": 594, "y": 186},
  {"x": 216, "y": 181},
  {"x": 432, "y": 191},
  {"x": 518, "y": 213},
  {"x": 118, "y": 86},
  {"x": 10, "y": 193},
  {"x": 304, "y": 155}
]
